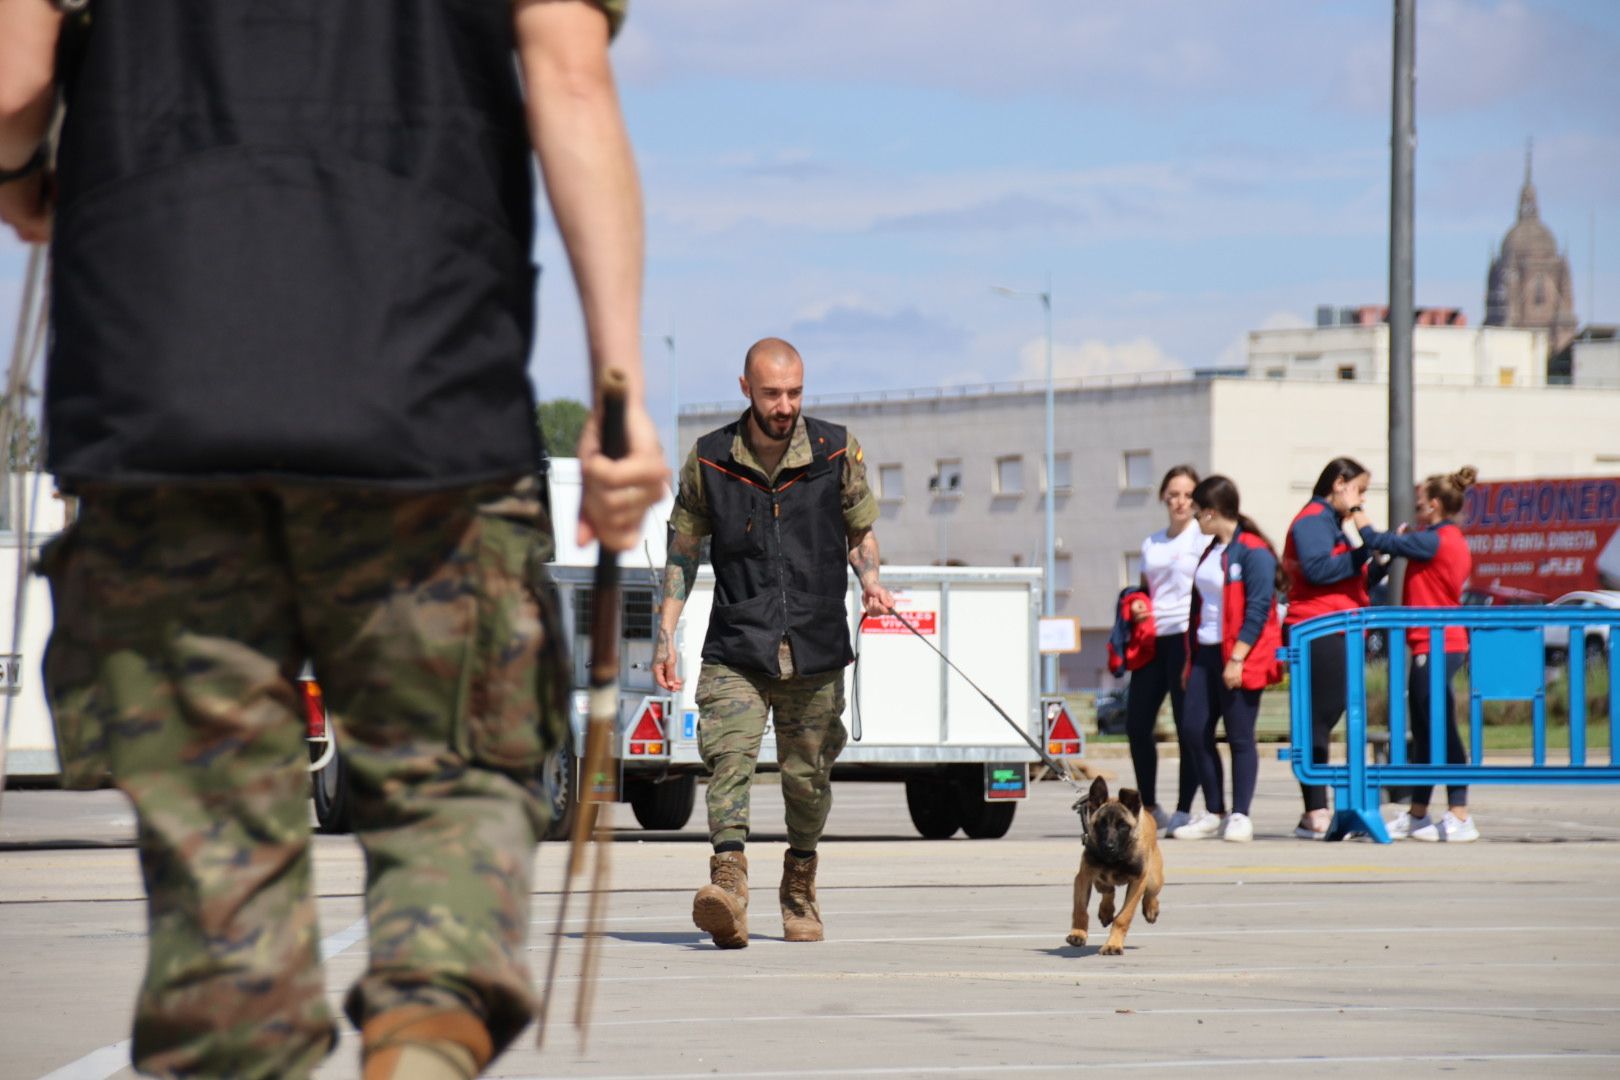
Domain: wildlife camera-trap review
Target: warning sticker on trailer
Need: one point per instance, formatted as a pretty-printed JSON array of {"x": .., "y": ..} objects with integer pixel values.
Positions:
[{"x": 926, "y": 623}]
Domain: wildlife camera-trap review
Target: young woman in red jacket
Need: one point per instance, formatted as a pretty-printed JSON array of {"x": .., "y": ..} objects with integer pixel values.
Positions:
[
  {"x": 1327, "y": 572},
  {"x": 1232, "y": 641},
  {"x": 1435, "y": 575}
]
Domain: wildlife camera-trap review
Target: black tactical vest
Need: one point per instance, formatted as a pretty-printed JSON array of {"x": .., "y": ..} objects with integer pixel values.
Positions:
[
  {"x": 293, "y": 242},
  {"x": 780, "y": 556}
]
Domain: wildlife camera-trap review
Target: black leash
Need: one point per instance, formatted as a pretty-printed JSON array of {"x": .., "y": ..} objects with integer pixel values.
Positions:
[{"x": 1059, "y": 771}]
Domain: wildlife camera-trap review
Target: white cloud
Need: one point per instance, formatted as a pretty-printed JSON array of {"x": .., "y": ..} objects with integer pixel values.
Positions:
[{"x": 1135, "y": 356}]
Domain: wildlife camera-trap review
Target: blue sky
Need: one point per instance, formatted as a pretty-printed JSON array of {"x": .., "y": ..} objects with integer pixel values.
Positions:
[{"x": 854, "y": 176}]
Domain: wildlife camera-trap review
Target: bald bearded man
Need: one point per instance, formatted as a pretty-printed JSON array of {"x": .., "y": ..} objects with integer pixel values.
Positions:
[{"x": 784, "y": 499}]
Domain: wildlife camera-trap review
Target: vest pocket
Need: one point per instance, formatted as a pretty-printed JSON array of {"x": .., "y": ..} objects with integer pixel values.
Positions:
[{"x": 70, "y": 673}]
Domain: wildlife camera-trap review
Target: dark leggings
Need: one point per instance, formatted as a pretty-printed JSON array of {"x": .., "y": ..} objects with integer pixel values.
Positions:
[
  {"x": 1329, "y": 693},
  {"x": 1208, "y": 702},
  {"x": 1149, "y": 684},
  {"x": 1417, "y": 722}
]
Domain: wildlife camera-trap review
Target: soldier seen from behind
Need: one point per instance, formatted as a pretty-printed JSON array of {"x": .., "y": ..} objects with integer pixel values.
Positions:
[{"x": 292, "y": 313}]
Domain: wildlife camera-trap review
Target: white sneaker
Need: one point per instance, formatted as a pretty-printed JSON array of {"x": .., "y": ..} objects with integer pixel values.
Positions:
[
  {"x": 1160, "y": 818},
  {"x": 1402, "y": 825},
  {"x": 1202, "y": 827},
  {"x": 1239, "y": 829},
  {"x": 1448, "y": 829},
  {"x": 1177, "y": 820}
]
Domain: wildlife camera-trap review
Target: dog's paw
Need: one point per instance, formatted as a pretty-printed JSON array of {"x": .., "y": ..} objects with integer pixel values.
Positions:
[
  {"x": 1113, "y": 948},
  {"x": 1150, "y": 912},
  {"x": 1105, "y": 914},
  {"x": 1076, "y": 938}
]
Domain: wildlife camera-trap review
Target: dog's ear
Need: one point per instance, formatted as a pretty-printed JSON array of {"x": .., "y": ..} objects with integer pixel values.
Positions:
[
  {"x": 1099, "y": 794},
  {"x": 1131, "y": 799}
]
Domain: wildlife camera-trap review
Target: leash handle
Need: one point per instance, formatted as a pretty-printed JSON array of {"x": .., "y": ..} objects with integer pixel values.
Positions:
[{"x": 1059, "y": 771}]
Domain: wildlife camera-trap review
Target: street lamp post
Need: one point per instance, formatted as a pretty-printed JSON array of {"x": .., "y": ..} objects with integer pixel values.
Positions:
[{"x": 1049, "y": 564}]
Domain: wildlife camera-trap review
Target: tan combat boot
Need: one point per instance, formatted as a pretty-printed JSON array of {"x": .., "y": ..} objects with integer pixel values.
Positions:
[
  {"x": 420, "y": 1043},
  {"x": 801, "y": 915},
  {"x": 720, "y": 908}
]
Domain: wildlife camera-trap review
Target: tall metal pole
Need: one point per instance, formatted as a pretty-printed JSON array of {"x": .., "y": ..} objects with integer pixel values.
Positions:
[
  {"x": 675, "y": 453},
  {"x": 1048, "y": 607},
  {"x": 1403, "y": 141}
]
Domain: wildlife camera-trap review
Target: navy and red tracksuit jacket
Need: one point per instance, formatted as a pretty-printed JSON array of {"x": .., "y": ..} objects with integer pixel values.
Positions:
[
  {"x": 1325, "y": 573},
  {"x": 1131, "y": 645},
  {"x": 1248, "y": 609},
  {"x": 1439, "y": 568}
]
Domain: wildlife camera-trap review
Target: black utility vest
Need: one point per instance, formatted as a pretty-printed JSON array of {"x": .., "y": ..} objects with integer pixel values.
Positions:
[
  {"x": 292, "y": 242},
  {"x": 780, "y": 556}
]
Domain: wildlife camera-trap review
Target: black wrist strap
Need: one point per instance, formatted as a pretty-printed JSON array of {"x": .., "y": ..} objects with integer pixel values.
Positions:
[{"x": 26, "y": 169}]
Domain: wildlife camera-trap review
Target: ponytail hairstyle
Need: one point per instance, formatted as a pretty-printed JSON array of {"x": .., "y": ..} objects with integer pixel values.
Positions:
[
  {"x": 1219, "y": 494},
  {"x": 1340, "y": 468},
  {"x": 1449, "y": 489},
  {"x": 1177, "y": 470}
]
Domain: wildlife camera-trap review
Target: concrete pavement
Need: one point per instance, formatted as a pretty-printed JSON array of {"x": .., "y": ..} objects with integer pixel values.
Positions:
[{"x": 946, "y": 958}]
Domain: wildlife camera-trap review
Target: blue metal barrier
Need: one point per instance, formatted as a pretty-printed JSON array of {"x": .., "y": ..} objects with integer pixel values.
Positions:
[{"x": 1507, "y": 662}]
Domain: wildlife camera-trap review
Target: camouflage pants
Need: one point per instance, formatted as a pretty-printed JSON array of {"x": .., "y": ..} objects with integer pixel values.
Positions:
[
  {"x": 183, "y": 617},
  {"x": 807, "y": 713}
]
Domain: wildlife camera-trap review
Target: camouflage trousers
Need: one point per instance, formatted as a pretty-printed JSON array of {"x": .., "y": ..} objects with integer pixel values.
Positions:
[
  {"x": 806, "y": 712},
  {"x": 183, "y": 617}
]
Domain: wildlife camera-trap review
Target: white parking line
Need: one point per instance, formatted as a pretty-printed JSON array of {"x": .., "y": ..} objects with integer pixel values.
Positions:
[
  {"x": 1094, "y": 974},
  {"x": 1314, "y": 931},
  {"x": 104, "y": 1062},
  {"x": 1025, "y": 909},
  {"x": 1006, "y": 1014},
  {"x": 1093, "y": 1065}
]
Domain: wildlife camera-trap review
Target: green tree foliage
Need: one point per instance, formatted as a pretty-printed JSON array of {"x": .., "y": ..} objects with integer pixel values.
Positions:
[
  {"x": 561, "y": 420},
  {"x": 24, "y": 451}
]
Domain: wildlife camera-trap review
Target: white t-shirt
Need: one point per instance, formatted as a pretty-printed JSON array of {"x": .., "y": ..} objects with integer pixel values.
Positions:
[
  {"x": 1211, "y": 589},
  {"x": 1167, "y": 563}
]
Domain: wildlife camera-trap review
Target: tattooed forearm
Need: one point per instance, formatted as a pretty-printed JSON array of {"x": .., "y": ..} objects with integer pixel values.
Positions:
[
  {"x": 665, "y": 645},
  {"x": 683, "y": 566},
  {"x": 863, "y": 557}
]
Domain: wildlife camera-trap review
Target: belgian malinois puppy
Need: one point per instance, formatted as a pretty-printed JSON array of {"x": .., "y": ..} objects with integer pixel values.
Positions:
[{"x": 1121, "y": 848}]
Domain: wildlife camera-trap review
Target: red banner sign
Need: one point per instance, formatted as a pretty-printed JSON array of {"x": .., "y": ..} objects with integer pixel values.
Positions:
[
  {"x": 924, "y": 621},
  {"x": 1535, "y": 540}
]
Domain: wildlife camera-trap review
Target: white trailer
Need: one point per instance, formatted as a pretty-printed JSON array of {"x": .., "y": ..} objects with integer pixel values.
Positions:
[{"x": 911, "y": 719}]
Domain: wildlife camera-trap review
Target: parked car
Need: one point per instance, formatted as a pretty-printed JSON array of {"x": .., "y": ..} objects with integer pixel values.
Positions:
[
  {"x": 1111, "y": 712},
  {"x": 1556, "y": 638}
]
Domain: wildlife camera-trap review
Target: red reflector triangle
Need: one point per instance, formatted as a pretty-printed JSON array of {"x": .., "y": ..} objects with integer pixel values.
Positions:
[
  {"x": 1063, "y": 729},
  {"x": 650, "y": 724}
]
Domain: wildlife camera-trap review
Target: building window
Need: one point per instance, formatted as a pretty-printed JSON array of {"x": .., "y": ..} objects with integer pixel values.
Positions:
[
  {"x": 1506, "y": 376},
  {"x": 1275, "y": 373},
  {"x": 1010, "y": 475},
  {"x": 1062, "y": 472},
  {"x": 1063, "y": 573},
  {"x": 947, "y": 478},
  {"x": 1133, "y": 568},
  {"x": 1347, "y": 373},
  {"x": 1136, "y": 471},
  {"x": 891, "y": 483}
]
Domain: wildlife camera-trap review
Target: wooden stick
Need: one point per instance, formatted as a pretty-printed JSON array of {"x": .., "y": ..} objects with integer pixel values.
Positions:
[{"x": 591, "y": 833}]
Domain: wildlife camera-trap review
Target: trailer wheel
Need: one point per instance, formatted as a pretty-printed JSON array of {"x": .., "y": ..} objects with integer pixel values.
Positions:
[
  {"x": 557, "y": 781},
  {"x": 332, "y": 802},
  {"x": 664, "y": 805},
  {"x": 933, "y": 806},
  {"x": 980, "y": 820},
  {"x": 988, "y": 821}
]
